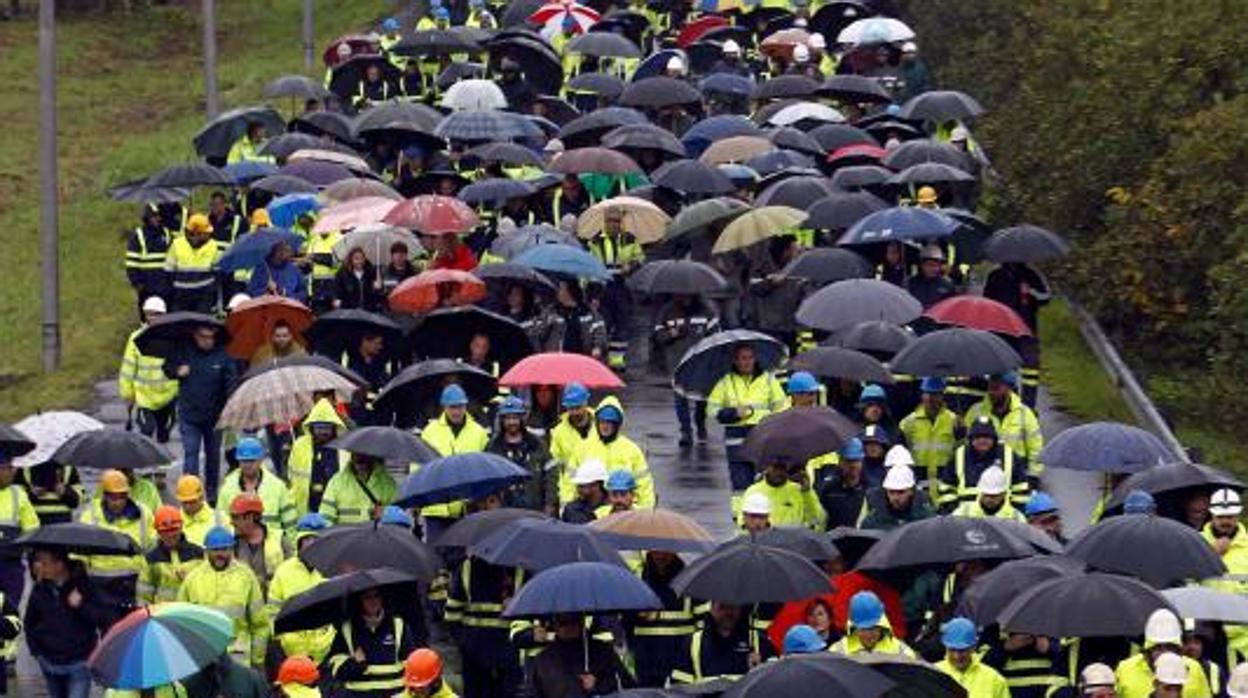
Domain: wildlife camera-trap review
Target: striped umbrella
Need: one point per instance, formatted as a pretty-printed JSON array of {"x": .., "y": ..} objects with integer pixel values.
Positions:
[
  {"x": 160, "y": 644},
  {"x": 552, "y": 16},
  {"x": 280, "y": 396}
]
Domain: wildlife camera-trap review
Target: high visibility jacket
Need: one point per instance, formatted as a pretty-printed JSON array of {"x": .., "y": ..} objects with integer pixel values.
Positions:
[
  {"x": 1236, "y": 560},
  {"x": 620, "y": 454},
  {"x": 144, "y": 491},
  {"x": 1018, "y": 428},
  {"x": 17, "y": 514},
  {"x": 294, "y": 577},
  {"x": 166, "y": 569},
  {"x": 174, "y": 690},
  {"x": 444, "y": 691},
  {"x": 478, "y": 592},
  {"x": 192, "y": 268},
  {"x": 279, "y": 507},
  {"x": 790, "y": 505},
  {"x": 320, "y": 249},
  {"x": 135, "y": 521},
  {"x": 974, "y": 510},
  {"x": 1027, "y": 672},
  {"x": 51, "y": 507},
  {"x": 145, "y": 253},
  {"x": 1135, "y": 678},
  {"x": 957, "y": 485},
  {"x": 245, "y": 149},
  {"x": 307, "y": 487},
  {"x": 566, "y": 440},
  {"x": 142, "y": 378},
  {"x": 979, "y": 679},
  {"x": 888, "y": 644},
  {"x": 349, "y": 500},
  {"x": 762, "y": 393},
  {"x": 615, "y": 252},
  {"x": 196, "y": 526},
  {"x": 270, "y": 554},
  {"x": 931, "y": 440},
  {"x": 234, "y": 591},
  {"x": 712, "y": 656},
  {"x": 385, "y": 650},
  {"x": 472, "y": 438}
]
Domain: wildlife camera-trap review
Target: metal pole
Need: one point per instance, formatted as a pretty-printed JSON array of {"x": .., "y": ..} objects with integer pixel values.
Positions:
[
  {"x": 48, "y": 200},
  {"x": 309, "y": 34},
  {"x": 212, "y": 103}
]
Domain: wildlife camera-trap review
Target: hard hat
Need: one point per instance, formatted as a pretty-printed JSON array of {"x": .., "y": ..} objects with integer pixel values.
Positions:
[
  {"x": 959, "y": 134},
  {"x": 1237, "y": 687},
  {"x": 218, "y": 538},
  {"x": 731, "y": 48},
  {"x": 909, "y": 47},
  {"x": 314, "y": 521},
  {"x": 1097, "y": 675},
  {"x": 801, "y": 54},
  {"x": 1225, "y": 502},
  {"x": 552, "y": 146},
  {"x": 198, "y": 223},
  {"x": 512, "y": 404},
  {"x": 189, "y": 488},
  {"x": 756, "y": 503},
  {"x": 899, "y": 478},
  {"x": 1040, "y": 503},
  {"x": 893, "y": 110},
  {"x": 1170, "y": 669},
  {"x": 875, "y": 434},
  {"x": 958, "y": 634},
  {"x": 394, "y": 516},
  {"x": 298, "y": 669},
  {"x": 1010, "y": 378},
  {"x": 422, "y": 668},
  {"x": 992, "y": 481},
  {"x": 865, "y": 610},
  {"x": 621, "y": 481},
  {"x": 249, "y": 448},
  {"x": 872, "y": 393},
  {"x": 247, "y": 503},
  {"x": 1163, "y": 628},
  {"x": 932, "y": 384},
  {"x": 236, "y": 300},
  {"x": 167, "y": 519},
  {"x": 675, "y": 63},
  {"x": 453, "y": 395},
  {"x": 575, "y": 395},
  {"x": 898, "y": 455},
  {"x": 344, "y": 50},
  {"x": 390, "y": 24},
  {"x": 260, "y": 219},
  {"x": 114, "y": 482},
  {"x": 1139, "y": 502},
  {"x": 932, "y": 252},
  {"x": 609, "y": 413},
  {"x": 155, "y": 304},
  {"x": 927, "y": 195},
  {"x": 802, "y": 639},
  {"x": 589, "y": 472},
  {"x": 982, "y": 426},
  {"x": 852, "y": 450},
  {"x": 440, "y": 12},
  {"x": 817, "y": 42},
  {"x": 802, "y": 382}
]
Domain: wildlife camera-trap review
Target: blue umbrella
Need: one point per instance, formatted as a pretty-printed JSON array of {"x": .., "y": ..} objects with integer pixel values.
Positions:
[
  {"x": 284, "y": 211},
  {"x": 494, "y": 191},
  {"x": 461, "y": 476},
  {"x": 657, "y": 63},
  {"x": 899, "y": 223},
  {"x": 565, "y": 260},
  {"x": 707, "y": 361},
  {"x": 582, "y": 587},
  {"x": 250, "y": 170},
  {"x": 727, "y": 84},
  {"x": 511, "y": 245},
  {"x": 249, "y": 250},
  {"x": 700, "y": 136},
  {"x": 778, "y": 161},
  {"x": 538, "y": 544},
  {"x": 486, "y": 126},
  {"x": 1105, "y": 447},
  {"x": 741, "y": 175}
]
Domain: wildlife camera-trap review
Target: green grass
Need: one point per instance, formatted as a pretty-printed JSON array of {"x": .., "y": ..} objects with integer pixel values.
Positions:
[
  {"x": 130, "y": 98},
  {"x": 1072, "y": 372},
  {"x": 1182, "y": 398}
]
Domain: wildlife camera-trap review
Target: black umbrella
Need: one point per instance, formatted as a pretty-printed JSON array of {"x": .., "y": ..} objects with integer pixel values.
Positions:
[
  {"x": 786, "y": 162},
  {"x": 435, "y": 42},
  {"x": 748, "y": 573},
  {"x": 795, "y": 192},
  {"x": 957, "y": 352},
  {"x": 1173, "y": 477},
  {"x": 402, "y": 134},
  {"x": 885, "y": 129},
  {"x": 600, "y": 84},
  {"x": 990, "y": 593},
  {"x": 446, "y": 332},
  {"x": 586, "y": 130},
  {"x": 707, "y": 361},
  {"x": 14, "y": 443},
  {"x": 388, "y": 443},
  {"x": 281, "y": 185},
  {"x": 941, "y": 105},
  {"x": 703, "y": 215},
  {"x": 510, "y": 154},
  {"x": 371, "y": 546},
  {"x": 499, "y": 276},
  {"x": 659, "y": 92},
  {"x": 817, "y": 673},
  {"x": 677, "y": 277},
  {"x": 840, "y": 210},
  {"x": 518, "y": 12},
  {"x": 794, "y": 436},
  {"x": 1085, "y": 605},
  {"x": 833, "y": 136},
  {"x": 479, "y": 525},
  {"x": 1155, "y": 549},
  {"x": 839, "y": 362},
  {"x": 317, "y": 360},
  {"x": 855, "y": 89},
  {"x": 339, "y": 331},
  {"x": 190, "y": 175},
  {"x": 559, "y": 111},
  {"x": 295, "y": 87},
  {"x": 854, "y": 543},
  {"x": 693, "y": 177},
  {"x": 348, "y": 75},
  {"x": 538, "y": 544},
  {"x": 850, "y": 302},
  {"x": 924, "y": 151},
  {"x": 541, "y": 65},
  {"x": 946, "y": 540},
  {"x": 874, "y": 337},
  {"x": 328, "y": 603},
  {"x": 858, "y": 177},
  {"x": 1107, "y": 447},
  {"x": 102, "y": 449},
  {"x": 137, "y": 192},
  {"x": 78, "y": 539},
  {"x": 494, "y": 191},
  {"x": 416, "y": 113},
  {"x": 803, "y": 541},
  {"x": 930, "y": 173},
  {"x": 459, "y": 71},
  {"x": 790, "y": 138},
  {"x": 169, "y": 332},
  {"x": 785, "y": 87},
  {"x": 409, "y": 394},
  {"x": 287, "y": 144},
  {"x": 1025, "y": 243},
  {"x": 914, "y": 678},
  {"x": 603, "y": 44},
  {"x": 644, "y": 137},
  {"x": 216, "y": 138}
]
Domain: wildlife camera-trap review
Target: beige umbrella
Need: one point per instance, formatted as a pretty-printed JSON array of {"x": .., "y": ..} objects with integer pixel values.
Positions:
[
  {"x": 348, "y": 189},
  {"x": 352, "y": 162},
  {"x": 736, "y": 149},
  {"x": 645, "y": 221},
  {"x": 281, "y": 395},
  {"x": 652, "y": 529},
  {"x": 755, "y": 226}
]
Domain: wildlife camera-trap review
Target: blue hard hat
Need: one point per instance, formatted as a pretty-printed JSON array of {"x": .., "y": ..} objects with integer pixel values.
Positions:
[
  {"x": 575, "y": 395},
  {"x": 1139, "y": 502},
  {"x": 249, "y": 448},
  {"x": 853, "y": 450},
  {"x": 872, "y": 393},
  {"x": 453, "y": 395},
  {"x": 893, "y": 109},
  {"x": 1040, "y": 503},
  {"x": 609, "y": 413},
  {"x": 390, "y": 24},
  {"x": 865, "y": 610},
  {"x": 875, "y": 434},
  {"x": 218, "y": 538},
  {"x": 932, "y": 384},
  {"x": 958, "y": 634},
  {"x": 621, "y": 481},
  {"x": 512, "y": 405},
  {"x": 394, "y": 516},
  {"x": 569, "y": 21},
  {"x": 802, "y": 382},
  {"x": 314, "y": 521},
  {"x": 803, "y": 639},
  {"x": 440, "y": 12},
  {"x": 1010, "y": 377}
]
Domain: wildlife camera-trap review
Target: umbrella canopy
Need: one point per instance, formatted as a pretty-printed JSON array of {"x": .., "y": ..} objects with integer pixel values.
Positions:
[
  {"x": 510, "y": 154},
  {"x": 486, "y": 126},
  {"x": 539, "y": 544},
  {"x": 1107, "y": 447},
  {"x": 855, "y": 89},
  {"x": 603, "y": 45},
  {"x": 102, "y": 449},
  {"x": 979, "y": 313},
  {"x": 1086, "y": 605},
  {"x": 875, "y": 30},
  {"x": 318, "y": 172},
  {"x": 371, "y": 546},
  {"x": 188, "y": 176},
  {"x": 845, "y": 303},
  {"x": 796, "y": 192},
  {"x": 14, "y": 443},
  {"x": 600, "y": 84},
  {"x": 434, "y": 42},
  {"x": 640, "y": 218},
  {"x": 1027, "y": 244},
  {"x": 412, "y": 391},
  {"x": 499, "y": 276},
  {"x": 705, "y": 214},
  {"x": 736, "y": 149},
  {"x": 874, "y": 336},
  {"x": 900, "y": 223},
  {"x": 924, "y": 151},
  {"x": 939, "y": 106},
  {"x": 436, "y": 288},
  {"x": 842, "y": 363},
  {"x": 392, "y": 445},
  {"x": 749, "y": 573},
  {"x": 252, "y": 249},
  {"x": 794, "y": 436},
  {"x": 481, "y": 524},
  {"x": 339, "y": 331},
  {"x": 946, "y": 540},
  {"x": 1205, "y": 604},
  {"x": 216, "y": 138},
  {"x": 605, "y": 160},
  {"x": 356, "y": 188},
  {"x": 137, "y": 192},
  {"x": 707, "y": 361},
  {"x": 677, "y": 277},
  {"x": 317, "y": 360},
  {"x": 328, "y": 603},
  {"x": 432, "y": 214},
  {"x": 495, "y": 191},
  {"x": 990, "y": 593},
  {"x": 817, "y": 673},
  {"x": 805, "y": 112},
  {"x": 559, "y": 368},
  {"x": 914, "y": 678},
  {"x": 414, "y": 113},
  {"x": 957, "y": 352},
  {"x": 776, "y": 162},
  {"x": 447, "y": 332},
  {"x": 474, "y": 95},
  {"x": 854, "y": 543},
  {"x": 1157, "y": 550},
  {"x": 582, "y": 587},
  {"x": 251, "y": 323},
  {"x": 295, "y": 87},
  {"x": 281, "y": 396},
  {"x": 354, "y": 213},
  {"x": 469, "y": 476},
  {"x": 285, "y": 211},
  {"x": 159, "y": 644},
  {"x": 658, "y": 93},
  {"x": 840, "y": 210},
  {"x": 598, "y": 122},
  {"x": 249, "y": 170},
  {"x": 78, "y": 539},
  {"x": 556, "y": 15},
  {"x": 285, "y": 145},
  {"x": 654, "y": 529},
  {"x": 375, "y": 240},
  {"x": 826, "y": 265},
  {"x": 48, "y": 430},
  {"x": 813, "y": 546},
  {"x": 643, "y": 136},
  {"x": 786, "y": 87},
  {"x": 692, "y": 177},
  {"x": 930, "y": 173},
  {"x": 1173, "y": 477},
  {"x": 701, "y": 135},
  {"x": 857, "y": 177},
  {"x": 757, "y": 225}
]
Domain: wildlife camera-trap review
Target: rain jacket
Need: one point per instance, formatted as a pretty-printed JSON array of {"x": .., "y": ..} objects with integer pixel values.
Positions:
[
  {"x": 279, "y": 506},
  {"x": 620, "y": 453},
  {"x": 790, "y": 505},
  {"x": 565, "y": 441},
  {"x": 438, "y": 433},
  {"x": 879, "y": 515},
  {"x": 195, "y": 526},
  {"x": 381, "y": 673},
  {"x": 690, "y": 325},
  {"x": 931, "y": 440},
  {"x": 350, "y": 500},
  {"x": 142, "y": 378},
  {"x": 979, "y": 679},
  {"x": 166, "y": 568},
  {"x": 119, "y": 574},
  {"x": 960, "y": 479},
  {"x": 234, "y": 591},
  {"x": 307, "y": 481},
  {"x": 976, "y": 511},
  {"x": 889, "y": 644},
  {"x": 1135, "y": 678},
  {"x": 294, "y": 577},
  {"x": 202, "y": 393},
  {"x": 1018, "y": 428},
  {"x": 761, "y": 392}
]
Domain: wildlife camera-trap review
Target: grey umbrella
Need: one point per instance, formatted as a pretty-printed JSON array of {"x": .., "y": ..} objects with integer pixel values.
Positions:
[
  {"x": 659, "y": 92},
  {"x": 1086, "y": 605},
  {"x": 644, "y": 137},
  {"x": 386, "y": 443},
  {"x": 281, "y": 185},
  {"x": 603, "y": 44},
  {"x": 704, "y": 214},
  {"x": 781, "y": 161},
  {"x": 1105, "y": 447},
  {"x": 1025, "y": 243},
  {"x": 930, "y": 173},
  {"x": 1160, "y": 551},
  {"x": 813, "y": 674},
  {"x": 510, "y": 154},
  {"x": 749, "y": 573},
  {"x": 941, "y": 105},
  {"x": 692, "y": 177},
  {"x": 858, "y": 177},
  {"x": 101, "y": 449},
  {"x": 813, "y": 546},
  {"x": 790, "y": 138},
  {"x": 677, "y": 277},
  {"x": 601, "y": 84},
  {"x": 854, "y": 89},
  {"x": 796, "y": 192},
  {"x": 217, "y": 136},
  {"x": 849, "y": 302},
  {"x": 1203, "y": 603},
  {"x": 925, "y": 150},
  {"x": 785, "y": 87},
  {"x": 324, "y": 123},
  {"x": 874, "y": 336},
  {"x": 190, "y": 175},
  {"x": 708, "y": 360},
  {"x": 137, "y": 192},
  {"x": 840, "y": 210},
  {"x": 1173, "y": 477},
  {"x": 947, "y": 540},
  {"x": 839, "y": 362},
  {"x": 596, "y": 123},
  {"x": 833, "y": 136},
  {"x": 825, "y": 265},
  {"x": 957, "y": 352},
  {"x": 990, "y": 593},
  {"x": 295, "y": 87}
]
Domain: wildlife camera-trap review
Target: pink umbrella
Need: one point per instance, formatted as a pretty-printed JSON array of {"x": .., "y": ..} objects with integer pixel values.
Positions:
[
  {"x": 553, "y": 15},
  {"x": 353, "y": 214},
  {"x": 558, "y": 368},
  {"x": 431, "y": 214}
]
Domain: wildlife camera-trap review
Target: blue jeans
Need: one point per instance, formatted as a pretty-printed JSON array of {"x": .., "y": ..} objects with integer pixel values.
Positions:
[
  {"x": 195, "y": 436},
  {"x": 66, "y": 680}
]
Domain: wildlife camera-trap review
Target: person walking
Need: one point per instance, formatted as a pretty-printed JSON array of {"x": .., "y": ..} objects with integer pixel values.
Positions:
[
  {"x": 960, "y": 639},
  {"x": 148, "y": 393},
  {"x": 231, "y": 587},
  {"x": 170, "y": 560},
  {"x": 205, "y": 374},
  {"x": 62, "y": 623}
]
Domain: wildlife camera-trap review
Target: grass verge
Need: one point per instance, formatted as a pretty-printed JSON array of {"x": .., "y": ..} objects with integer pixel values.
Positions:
[{"x": 1072, "y": 372}]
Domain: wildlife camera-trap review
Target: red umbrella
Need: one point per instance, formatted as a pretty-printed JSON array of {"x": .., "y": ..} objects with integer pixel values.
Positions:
[
  {"x": 558, "y": 368},
  {"x": 436, "y": 288},
  {"x": 695, "y": 29},
  {"x": 358, "y": 43},
  {"x": 251, "y": 323},
  {"x": 846, "y": 586},
  {"x": 431, "y": 214},
  {"x": 979, "y": 313},
  {"x": 857, "y": 151}
]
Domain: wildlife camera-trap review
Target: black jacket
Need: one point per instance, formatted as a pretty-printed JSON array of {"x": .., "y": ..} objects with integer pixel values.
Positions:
[
  {"x": 56, "y": 632},
  {"x": 353, "y": 292},
  {"x": 556, "y": 673},
  {"x": 202, "y": 393},
  {"x": 843, "y": 503},
  {"x": 540, "y": 491}
]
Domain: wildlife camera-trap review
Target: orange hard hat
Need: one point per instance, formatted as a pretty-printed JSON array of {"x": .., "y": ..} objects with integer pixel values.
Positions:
[
  {"x": 422, "y": 668},
  {"x": 247, "y": 503},
  {"x": 114, "y": 482},
  {"x": 298, "y": 669},
  {"x": 168, "y": 519}
]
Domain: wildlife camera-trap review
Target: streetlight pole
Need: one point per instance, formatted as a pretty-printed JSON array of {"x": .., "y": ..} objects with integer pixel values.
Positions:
[
  {"x": 49, "y": 244},
  {"x": 212, "y": 100},
  {"x": 309, "y": 34}
]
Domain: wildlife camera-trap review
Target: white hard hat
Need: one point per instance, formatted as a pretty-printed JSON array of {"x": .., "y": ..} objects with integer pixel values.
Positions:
[
  {"x": 800, "y": 22},
  {"x": 817, "y": 41},
  {"x": 553, "y": 145},
  {"x": 674, "y": 63},
  {"x": 506, "y": 227},
  {"x": 155, "y": 304},
  {"x": 1096, "y": 676},
  {"x": 899, "y": 478},
  {"x": 1170, "y": 669},
  {"x": 1237, "y": 687},
  {"x": 568, "y": 223},
  {"x": 909, "y": 47},
  {"x": 344, "y": 50},
  {"x": 898, "y": 455},
  {"x": 992, "y": 481},
  {"x": 959, "y": 134},
  {"x": 756, "y": 503},
  {"x": 801, "y": 54},
  {"x": 732, "y": 47},
  {"x": 1163, "y": 628},
  {"x": 591, "y": 471},
  {"x": 1224, "y": 503},
  {"x": 236, "y": 300}
]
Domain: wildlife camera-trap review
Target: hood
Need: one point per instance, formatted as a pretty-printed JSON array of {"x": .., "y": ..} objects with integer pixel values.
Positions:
[
  {"x": 323, "y": 412},
  {"x": 612, "y": 401}
]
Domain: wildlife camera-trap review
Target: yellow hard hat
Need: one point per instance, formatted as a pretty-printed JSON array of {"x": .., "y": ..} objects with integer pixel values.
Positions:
[
  {"x": 198, "y": 223},
  {"x": 260, "y": 219},
  {"x": 927, "y": 195},
  {"x": 114, "y": 482},
  {"x": 189, "y": 489}
]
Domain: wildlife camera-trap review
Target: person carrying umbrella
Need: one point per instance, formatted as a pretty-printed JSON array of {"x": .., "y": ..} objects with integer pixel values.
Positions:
[
  {"x": 358, "y": 284},
  {"x": 616, "y": 451},
  {"x": 930, "y": 285},
  {"x": 205, "y": 375},
  {"x": 992, "y": 498},
  {"x": 142, "y": 383},
  {"x": 232, "y": 588},
  {"x": 281, "y": 344},
  {"x": 1044, "y": 514},
  {"x": 896, "y": 502},
  {"x": 17, "y": 516},
  {"x": 740, "y": 400},
  {"x": 755, "y": 513},
  {"x": 278, "y": 275},
  {"x": 1137, "y": 674},
  {"x": 254, "y": 544},
  {"x": 1016, "y": 424},
  {"x": 292, "y": 577},
  {"x": 453, "y": 432},
  {"x": 227, "y": 224},
  {"x": 931, "y": 431},
  {"x": 474, "y": 607},
  {"x": 774, "y": 294},
  {"x": 54, "y": 490},
  {"x": 868, "y": 629},
  {"x": 681, "y": 323},
  {"x": 573, "y": 665},
  {"x": 190, "y": 265},
  {"x": 843, "y": 492},
  {"x": 514, "y": 442},
  {"x": 321, "y": 267},
  {"x": 116, "y": 576},
  {"x": 247, "y": 147},
  {"x": 369, "y": 649},
  {"x": 961, "y": 662},
  {"x": 197, "y": 517},
  {"x": 170, "y": 560},
  {"x": 875, "y": 445},
  {"x": 724, "y": 646},
  {"x": 980, "y": 452},
  {"x": 620, "y": 252},
  {"x": 359, "y": 492},
  {"x": 1024, "y": 290},
  {"x": 312, "y": 462},
  {"x": 574, "y": 428},
  {"x": 657, "y": 638},
  {"x": 584, "y": 331},
  {"x": 62, "y": 623},
  {"x": 793, "y": 501},
  {"x": 146, "y": 247},
  {"x": 253, "y": 476}
]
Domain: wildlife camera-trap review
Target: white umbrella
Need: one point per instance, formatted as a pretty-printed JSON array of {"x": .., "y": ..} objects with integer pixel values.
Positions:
[
  {"x": 474, "y": 95},
  {"x": 803, "y": 111},
  {"x": 375, "y": 239},
  {"x": 875, "y": 30},
  {"x": 49, "y": 430},
  {"x": 1205, "y": 603}
]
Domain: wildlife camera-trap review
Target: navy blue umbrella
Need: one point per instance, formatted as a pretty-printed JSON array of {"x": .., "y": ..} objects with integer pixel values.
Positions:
[
  {"x": 1105, "y": 447},
  {"x": 727, "y": 84},
  {"x": 251, "y": 249},
  {"x": 565, "y": 260},
  {"x": 494, "y": 191},
  {"x": 582, "y": 587},
  {"x": 778, "y": 161},
  {"x": 538, "y": 544},
  {"x": 700, "y": 136},
  {"x": 317, "y": 172},
  {"x": 461, "y": 476},
  {"x": 707, "y": 361},
  {"x": 250, "y": 170},
  {"x": 899, "y": 223},
  {"x": 657, "y": 63}
]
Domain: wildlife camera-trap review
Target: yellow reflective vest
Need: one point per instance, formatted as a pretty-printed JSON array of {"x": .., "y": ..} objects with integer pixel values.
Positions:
[
  {"x": 234, "y": 591},
  {"x": 192, "y": 268},
  {"x": 1135, "y": 678},
  {"x": 138, "y": 525},
  {"x": 320, "y": 249},
  {"x": 142, "y": 378},
  {"x": 931, "y": 440},
  {"x": 979, "y": 679},
  {"x": 620, "y": 454},
  {"x": 299, "y": 462},
  {"x": 293, "y": 577},
  {"x": 166, "y": 570},
  {"x": 349, "y": 500},
  {"x": 974, "y": 510},
  {"x": 472, "y": 438},
  {"x": 1018, "y": 428},
  {"x": 762, "y": 393},
  {"x": 790, "y": 505},
  {"x": 196, "y": 526},
  {"x": 279, "y": 507}
]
